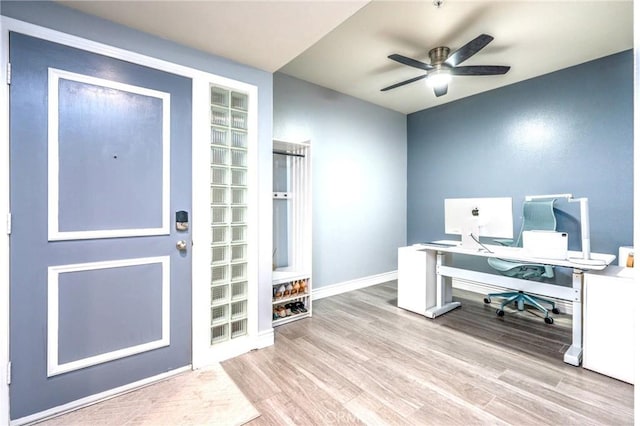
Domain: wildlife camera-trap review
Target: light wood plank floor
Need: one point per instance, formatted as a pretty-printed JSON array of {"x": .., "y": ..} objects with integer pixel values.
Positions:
[{"x": 362, "y": 360}]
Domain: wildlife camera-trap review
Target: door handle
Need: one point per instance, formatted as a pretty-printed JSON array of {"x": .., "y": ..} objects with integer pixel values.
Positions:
[{"x": 181, "y": 245}]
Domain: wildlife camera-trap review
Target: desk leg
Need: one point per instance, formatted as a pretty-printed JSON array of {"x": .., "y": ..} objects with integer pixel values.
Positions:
[
  {"x": 442, "y": 304},
  {"x": 573, "y": 355}
]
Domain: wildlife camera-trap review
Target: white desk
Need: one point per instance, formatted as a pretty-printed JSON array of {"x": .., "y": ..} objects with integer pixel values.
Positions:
[
  {"x": 424, "y": 281},
  {"x": 608, "y": 329}
]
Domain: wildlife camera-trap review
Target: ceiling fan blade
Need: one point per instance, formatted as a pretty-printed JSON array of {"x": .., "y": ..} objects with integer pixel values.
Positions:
[
  {"x": 402, "y": 83},
  {"x": 440, "y": 90},
  {"x": 480, "y": 70},
  {"x": 468, "y": 50},
  {"x": 411, "y": 62}
]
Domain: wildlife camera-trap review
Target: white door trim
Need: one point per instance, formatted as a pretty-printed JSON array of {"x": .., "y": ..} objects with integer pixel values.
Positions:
[
  {"x": 55, "y": 234},
  {"x": 54, "y": 367},
  {"x": 4, "y": 212},
  {"x": 200, "y": 123}
]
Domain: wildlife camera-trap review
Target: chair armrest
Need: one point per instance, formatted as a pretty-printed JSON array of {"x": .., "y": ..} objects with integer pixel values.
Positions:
[{"x": 504, "y": 241}]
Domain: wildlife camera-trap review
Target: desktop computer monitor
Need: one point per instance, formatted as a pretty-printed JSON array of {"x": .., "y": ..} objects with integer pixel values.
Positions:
[{"x": 472, "y": 218}]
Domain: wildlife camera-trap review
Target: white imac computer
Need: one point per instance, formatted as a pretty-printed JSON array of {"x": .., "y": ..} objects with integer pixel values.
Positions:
[{"x": 472, "y": 218}]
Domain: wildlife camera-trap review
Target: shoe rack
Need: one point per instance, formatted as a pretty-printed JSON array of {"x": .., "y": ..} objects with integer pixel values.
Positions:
[
  {"x": 292, "y": 279},
  {"x": 291, "y": 297}
]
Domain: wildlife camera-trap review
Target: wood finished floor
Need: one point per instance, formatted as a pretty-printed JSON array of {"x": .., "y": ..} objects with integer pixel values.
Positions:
[{"x": 362, "y": 360}]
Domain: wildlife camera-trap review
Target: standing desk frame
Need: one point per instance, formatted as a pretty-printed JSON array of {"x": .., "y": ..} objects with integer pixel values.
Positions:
[{"x": 422, "y": 268}]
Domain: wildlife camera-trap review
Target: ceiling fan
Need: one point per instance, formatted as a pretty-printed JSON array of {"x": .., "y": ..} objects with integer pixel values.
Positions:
[{"x": 444, "y": 65}]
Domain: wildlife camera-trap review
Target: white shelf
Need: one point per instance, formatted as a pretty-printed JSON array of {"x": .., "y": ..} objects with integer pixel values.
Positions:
[
  {"x": 289, "y": 145},
  {"x": 284, "y": 275},
  {"x": 291, "y": 318},
  {"x": 286, "y": 299}
]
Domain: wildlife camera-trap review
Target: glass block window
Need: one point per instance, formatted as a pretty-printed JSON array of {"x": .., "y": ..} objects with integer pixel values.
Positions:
[{"x": 228, "y": 198}]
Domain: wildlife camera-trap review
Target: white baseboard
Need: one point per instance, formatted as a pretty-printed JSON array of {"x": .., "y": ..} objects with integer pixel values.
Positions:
[
  {"x": 264, "y": 339},
  {"x": 358, "y": 283},
  {"x": 99, "y": 397},
  {"x": 242, "y": 345},
  {"x": 563, "y": 306}
]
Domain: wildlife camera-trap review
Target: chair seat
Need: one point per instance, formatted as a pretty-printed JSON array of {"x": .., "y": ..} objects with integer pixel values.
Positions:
[
  {"x": 521, "y": 270},
  {"x": 501, "y": 265}
]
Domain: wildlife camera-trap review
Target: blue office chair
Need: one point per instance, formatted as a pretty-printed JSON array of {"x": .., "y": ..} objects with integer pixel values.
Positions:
[{"x": 536, "y": 215}]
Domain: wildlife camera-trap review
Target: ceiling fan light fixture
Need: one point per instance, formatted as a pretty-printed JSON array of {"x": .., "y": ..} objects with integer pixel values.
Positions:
[
  {"x": 439, "y": 78},
  {"x": 444, "y": 64}
]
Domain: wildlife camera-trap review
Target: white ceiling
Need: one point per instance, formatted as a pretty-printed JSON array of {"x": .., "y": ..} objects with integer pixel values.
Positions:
[{"x": 343, "y": 45}]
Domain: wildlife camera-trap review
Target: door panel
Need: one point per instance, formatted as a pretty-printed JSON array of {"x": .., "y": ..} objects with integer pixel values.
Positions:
[
  {"x": 143, "y": 313},
  {"x": 100, "y": 161},
  {"x": 87, "y": 109}
]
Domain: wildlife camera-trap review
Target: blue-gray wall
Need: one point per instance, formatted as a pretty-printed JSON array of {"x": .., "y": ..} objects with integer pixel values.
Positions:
[
  {"x": 359, "y": 177},
  {"x": 568, "y": 131}
]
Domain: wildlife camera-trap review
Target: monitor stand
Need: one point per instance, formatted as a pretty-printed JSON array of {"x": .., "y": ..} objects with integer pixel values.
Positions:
[{"x": 469, "y": 229}]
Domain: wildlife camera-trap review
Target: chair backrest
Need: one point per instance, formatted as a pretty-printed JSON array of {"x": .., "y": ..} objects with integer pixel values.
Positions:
[{"x": 537, "y": 215}]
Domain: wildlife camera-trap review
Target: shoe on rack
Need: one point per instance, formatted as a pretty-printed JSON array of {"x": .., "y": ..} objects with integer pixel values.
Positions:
[
  {"x": 300, "y": 307},
  {"x": 291, "y": 307}
]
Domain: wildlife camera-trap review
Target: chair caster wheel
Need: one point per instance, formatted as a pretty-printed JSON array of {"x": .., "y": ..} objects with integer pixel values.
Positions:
[
  {"x": 555, "y": 310},
  {"x": 500, "y": 312},
  {"x": 487, "y": 300},
  {"x": 548, "y": 320}
]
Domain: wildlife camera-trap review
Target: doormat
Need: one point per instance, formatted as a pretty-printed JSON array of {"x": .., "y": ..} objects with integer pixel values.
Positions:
[{"x": 201, "y": 397}]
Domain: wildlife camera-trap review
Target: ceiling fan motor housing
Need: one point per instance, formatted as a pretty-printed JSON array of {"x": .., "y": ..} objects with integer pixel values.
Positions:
[{"x": 438, "y": 55}]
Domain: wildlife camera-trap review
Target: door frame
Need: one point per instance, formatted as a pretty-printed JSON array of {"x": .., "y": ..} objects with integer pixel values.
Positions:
[{"x": 200, "y": 163}]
